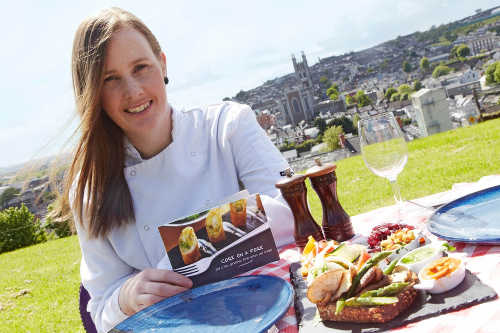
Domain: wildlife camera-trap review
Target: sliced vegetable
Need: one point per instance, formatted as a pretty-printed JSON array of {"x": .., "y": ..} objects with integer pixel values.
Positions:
[
  {"x": 370, "y": 301},
  {"x": 392, "y": 289},
  {"x": 448, "y": 247},
  {"x": 350, "y": 252},
  {"x": 310, "y": 245},
  {"x": 388, "y": 270},
  {"x": 363, "y": 258},
  {"x": 339, "y": 306},
  {"x": 369, "y": 264}
]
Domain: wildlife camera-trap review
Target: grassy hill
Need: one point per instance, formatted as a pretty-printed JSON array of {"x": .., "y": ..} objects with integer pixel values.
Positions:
[{"x": 39, "y": 284}]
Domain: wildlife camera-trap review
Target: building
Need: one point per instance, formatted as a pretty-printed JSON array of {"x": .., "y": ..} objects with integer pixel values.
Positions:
[
  {"x": 462, "y": 83},
  {"x": 486, "y": 42},
  {"x": 431, "y": 111},
  {"x": 330, "y": 107},
  {"x": 298, "y": 103}
]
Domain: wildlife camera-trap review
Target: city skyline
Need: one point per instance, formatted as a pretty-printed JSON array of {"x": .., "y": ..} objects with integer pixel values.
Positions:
[{"x": 213, "y": 51}]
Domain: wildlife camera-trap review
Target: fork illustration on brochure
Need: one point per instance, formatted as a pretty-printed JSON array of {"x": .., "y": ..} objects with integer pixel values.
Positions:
[{"x": 203, "y": 264}]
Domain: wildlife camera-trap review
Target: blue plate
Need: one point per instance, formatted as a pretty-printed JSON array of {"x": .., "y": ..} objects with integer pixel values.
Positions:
[
  {"x": 474, "y": 218},
  {"x": 243, "y": 304}
]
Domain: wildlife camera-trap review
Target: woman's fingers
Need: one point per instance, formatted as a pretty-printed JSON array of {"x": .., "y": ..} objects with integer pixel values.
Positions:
[
  {"x": 154, "y": 292},
  {"x": 166, "y": 276},
  {"x": 150, "y": 286},
  {"x": 162, "y": 289}
]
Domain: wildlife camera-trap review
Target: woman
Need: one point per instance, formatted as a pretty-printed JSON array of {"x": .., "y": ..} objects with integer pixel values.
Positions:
[{"x": 140, "y": 163}]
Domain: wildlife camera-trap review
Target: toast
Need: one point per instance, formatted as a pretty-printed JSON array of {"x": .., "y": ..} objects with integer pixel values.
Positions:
[{"x": 369, "y": 314}]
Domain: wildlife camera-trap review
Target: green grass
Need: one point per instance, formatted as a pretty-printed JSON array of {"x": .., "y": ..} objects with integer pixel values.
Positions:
[
  {"x": 434, "y": 164},
  {"x": 39, "y": 288},
  {"x": 50, "y": 271}
]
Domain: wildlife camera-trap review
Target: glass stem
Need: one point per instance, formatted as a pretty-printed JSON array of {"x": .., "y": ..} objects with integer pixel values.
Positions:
[
  {"x": 396, "y": 192},
  {"x": 397, "y": 197}
]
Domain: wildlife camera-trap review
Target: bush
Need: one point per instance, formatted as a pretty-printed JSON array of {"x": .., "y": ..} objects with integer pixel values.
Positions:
[
  {"x": 62, "y": 228},
  {"x": 19, "y": 228},
  {"x": 305, "y": 146},
  {"x": 440, "y": 71}
]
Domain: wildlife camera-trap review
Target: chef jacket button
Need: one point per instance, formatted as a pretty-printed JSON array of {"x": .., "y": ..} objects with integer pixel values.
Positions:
[
  {"x": 132, "y": 173},
  {"x": 146, "y": 227}
]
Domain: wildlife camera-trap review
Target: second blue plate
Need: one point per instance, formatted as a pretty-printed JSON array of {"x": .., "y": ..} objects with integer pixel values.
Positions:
[
  {"x": 474, "y": 218},
  {"x": 243, "y": 304}
]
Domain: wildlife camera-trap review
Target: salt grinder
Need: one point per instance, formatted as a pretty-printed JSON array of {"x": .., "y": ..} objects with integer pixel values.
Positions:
[
  {"x": 294, "y": 191},
  {"x": 336, "y": 222}
]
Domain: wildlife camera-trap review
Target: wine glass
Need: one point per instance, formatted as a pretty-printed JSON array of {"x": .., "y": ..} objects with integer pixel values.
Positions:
[{"x": 384, "y": 149}]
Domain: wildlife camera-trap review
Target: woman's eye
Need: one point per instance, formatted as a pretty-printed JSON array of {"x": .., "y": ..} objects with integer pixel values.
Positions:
[
  {"x": 110, "y": 78},
  {"x": 140, "y": 67}
]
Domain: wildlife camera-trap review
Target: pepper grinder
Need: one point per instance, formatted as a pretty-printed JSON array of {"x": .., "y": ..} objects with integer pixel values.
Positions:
[
  {"x": 293, "y": 189},
  {"x": 336, "y": 222}
]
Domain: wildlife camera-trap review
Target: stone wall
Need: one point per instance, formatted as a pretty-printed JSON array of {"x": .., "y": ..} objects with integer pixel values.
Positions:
[{"x": 308, "y": 161}]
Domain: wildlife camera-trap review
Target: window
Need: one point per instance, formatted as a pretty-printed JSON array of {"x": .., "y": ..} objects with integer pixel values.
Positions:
[{"x": 295, "y": 105}]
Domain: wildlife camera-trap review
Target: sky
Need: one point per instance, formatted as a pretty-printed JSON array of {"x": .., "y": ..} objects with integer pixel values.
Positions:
[{"x": 213, "y": 48}]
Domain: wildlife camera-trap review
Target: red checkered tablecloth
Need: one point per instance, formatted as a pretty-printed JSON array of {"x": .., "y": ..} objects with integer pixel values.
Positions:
[{"x": 481, "y": 260}]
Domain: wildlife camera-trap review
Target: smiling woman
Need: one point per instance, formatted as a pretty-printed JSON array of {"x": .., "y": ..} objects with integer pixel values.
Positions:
[{"x": 140, "y": 163}]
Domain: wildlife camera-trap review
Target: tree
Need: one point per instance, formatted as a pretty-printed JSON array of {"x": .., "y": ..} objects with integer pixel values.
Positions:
[
  {"x": 490, "y": 73},
  {"x": 324, "y": 81},
  {"x": 417, "y": 85},
  {"x": 333, "y": 92},
  {"x": 389, "y": 92},
  {"x": 496, "y": 75},
  {"x": 7, "y": 195},
  {"x": 395, "y": 97},
  {"x": 349, "y": 100},
  {"x": 440, "y": 71},
  {"x": 225, "y": 99},
  {"x": 355, "y": 121},
  {"x": 453, "y": 52},
  {"x": 406, "y": 67},
  {"x": 463, "y": 51},
  {"x": 345, "y": 123},
  {"x": 331, "y": 137},
  {"x": 404, "y": 89},
  {"x": 362, "y": 99},
  {"x": 424, "y": 64},
  {"x": 320, "y": 123}
]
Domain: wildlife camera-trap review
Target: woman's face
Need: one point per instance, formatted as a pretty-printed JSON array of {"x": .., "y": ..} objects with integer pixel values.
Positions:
[{"x": 133, "y": 93}]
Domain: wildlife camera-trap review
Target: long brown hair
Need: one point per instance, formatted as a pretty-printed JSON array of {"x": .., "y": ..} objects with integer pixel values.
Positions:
[{"x": 95, "y": 182}]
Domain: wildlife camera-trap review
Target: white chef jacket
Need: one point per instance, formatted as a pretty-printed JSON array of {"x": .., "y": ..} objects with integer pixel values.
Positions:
[{"x": 211, "y": 149}]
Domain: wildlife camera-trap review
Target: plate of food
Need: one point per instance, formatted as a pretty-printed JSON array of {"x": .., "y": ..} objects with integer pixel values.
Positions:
[
  {"x": 343, "y": 286},
  {"x": 474, "y": 218},
  {"x": 242, "y": 304}
]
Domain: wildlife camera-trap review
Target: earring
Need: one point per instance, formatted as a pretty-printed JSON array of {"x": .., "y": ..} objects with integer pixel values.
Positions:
[{"x": 166, "y": 80}]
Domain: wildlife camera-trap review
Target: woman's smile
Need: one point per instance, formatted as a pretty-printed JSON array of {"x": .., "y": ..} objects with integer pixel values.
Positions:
[{"x": 141, "y": 108}]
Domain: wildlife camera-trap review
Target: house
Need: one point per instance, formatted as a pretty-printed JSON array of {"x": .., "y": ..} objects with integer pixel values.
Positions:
[
  {"x": 431, "y": 111},
  {"x": 463, "y": 109}
]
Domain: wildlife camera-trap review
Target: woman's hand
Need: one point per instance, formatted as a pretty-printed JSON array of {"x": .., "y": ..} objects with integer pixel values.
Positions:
[{"x": 150, "y": 286}]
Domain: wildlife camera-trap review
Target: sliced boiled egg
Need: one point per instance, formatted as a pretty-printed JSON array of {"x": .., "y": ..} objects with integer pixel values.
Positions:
[{"x": 441, "y": 275}]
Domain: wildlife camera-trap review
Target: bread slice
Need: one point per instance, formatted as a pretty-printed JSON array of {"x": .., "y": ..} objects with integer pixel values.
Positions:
[{"x": 369, "y": 314}]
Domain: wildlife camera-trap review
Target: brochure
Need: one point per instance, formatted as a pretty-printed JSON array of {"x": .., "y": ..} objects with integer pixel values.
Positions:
[{"x": 224, "y": 241}]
